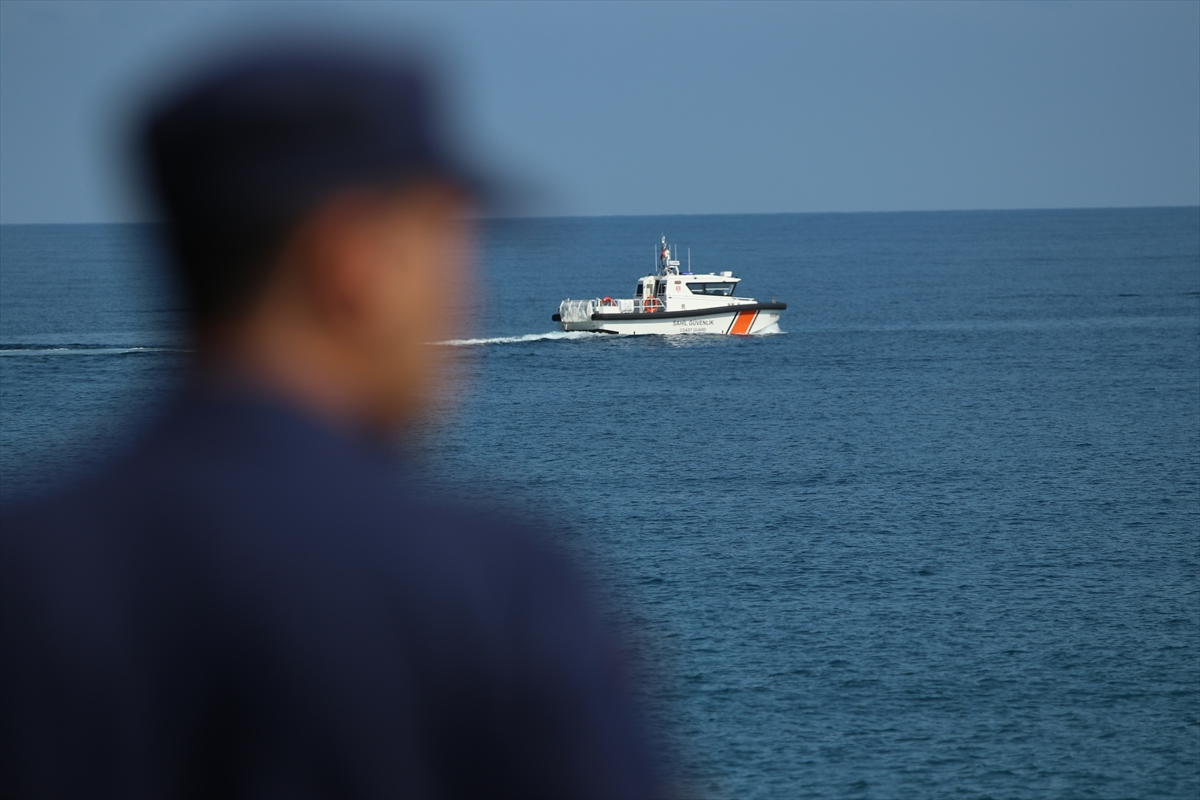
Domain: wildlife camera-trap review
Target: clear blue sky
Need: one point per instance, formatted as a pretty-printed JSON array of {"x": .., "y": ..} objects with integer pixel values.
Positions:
[{"x": 684, "y": 108}]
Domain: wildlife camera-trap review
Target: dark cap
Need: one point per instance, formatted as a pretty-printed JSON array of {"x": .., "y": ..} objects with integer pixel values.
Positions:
[
  {"x": 237, "y": 158},
  {"x": 265, "y": 137}
]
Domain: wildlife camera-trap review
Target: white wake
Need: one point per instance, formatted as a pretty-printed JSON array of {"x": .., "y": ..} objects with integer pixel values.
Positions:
[
  {"x": 85, "y": 351},
  {"x": 529, "y": 337}
]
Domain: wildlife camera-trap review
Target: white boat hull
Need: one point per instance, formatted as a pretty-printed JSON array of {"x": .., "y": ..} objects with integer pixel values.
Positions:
[{"x": 748, "y": 320}]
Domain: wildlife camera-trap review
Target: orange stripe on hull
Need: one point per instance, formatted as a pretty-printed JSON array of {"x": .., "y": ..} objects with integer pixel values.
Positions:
[{"x": 742, "y": 322}]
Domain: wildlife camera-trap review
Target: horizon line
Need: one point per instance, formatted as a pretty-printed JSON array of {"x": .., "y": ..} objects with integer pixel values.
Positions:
[{"x": 486, "y": 217}]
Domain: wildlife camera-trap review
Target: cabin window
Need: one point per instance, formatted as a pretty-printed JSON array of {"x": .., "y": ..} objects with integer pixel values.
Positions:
[
  {"x": 638, "y": 291},
  {"x": 722, "y": 289},
  {"x": 661, "y": 288}
]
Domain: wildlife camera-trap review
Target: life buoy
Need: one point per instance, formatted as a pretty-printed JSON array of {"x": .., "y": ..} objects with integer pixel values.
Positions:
[
  {"x": 651, "y": 305},
  {"x": 608, "y": 301}
]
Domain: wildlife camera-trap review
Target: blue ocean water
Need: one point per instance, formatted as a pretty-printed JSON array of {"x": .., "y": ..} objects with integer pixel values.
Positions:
[{"x": 941, "y": 538}]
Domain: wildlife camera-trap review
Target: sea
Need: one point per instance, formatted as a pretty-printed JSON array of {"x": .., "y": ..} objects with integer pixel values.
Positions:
[{"x": 938, "y": 537}]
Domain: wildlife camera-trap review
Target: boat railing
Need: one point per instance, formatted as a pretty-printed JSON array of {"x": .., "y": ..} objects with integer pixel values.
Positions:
[{"x": 582, "y": 310}]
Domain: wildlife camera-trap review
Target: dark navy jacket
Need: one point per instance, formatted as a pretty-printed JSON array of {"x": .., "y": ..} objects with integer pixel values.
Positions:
[{"x": 249, "y": 604}]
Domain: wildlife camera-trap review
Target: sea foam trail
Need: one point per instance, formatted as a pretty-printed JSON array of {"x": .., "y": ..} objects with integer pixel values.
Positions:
[
  {"x": 529, "y": 337},
  {"x": 76, "y": 350},
  {"x": 559, "y": 335}
]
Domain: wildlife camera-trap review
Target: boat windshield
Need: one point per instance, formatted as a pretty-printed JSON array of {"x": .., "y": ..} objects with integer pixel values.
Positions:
[{"x": 722, "y": 289}]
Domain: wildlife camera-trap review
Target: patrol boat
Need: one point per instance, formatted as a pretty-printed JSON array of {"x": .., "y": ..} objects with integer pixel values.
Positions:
[{"x": 670, "y": 302}]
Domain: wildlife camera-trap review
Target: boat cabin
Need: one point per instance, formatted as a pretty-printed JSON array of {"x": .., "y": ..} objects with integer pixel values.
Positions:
[{"x": 671, "y": 290}]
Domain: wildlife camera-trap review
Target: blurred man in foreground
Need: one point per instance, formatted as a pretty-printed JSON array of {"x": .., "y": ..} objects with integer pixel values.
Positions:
[{"x": 246, "y": 603}]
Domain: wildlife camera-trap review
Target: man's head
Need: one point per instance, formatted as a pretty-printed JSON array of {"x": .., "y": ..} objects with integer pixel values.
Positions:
[{"x": 316, "y": 219}]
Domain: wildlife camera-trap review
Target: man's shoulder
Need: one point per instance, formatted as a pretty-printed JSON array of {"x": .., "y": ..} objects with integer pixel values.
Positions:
[{"x": 223, "y": 482}]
